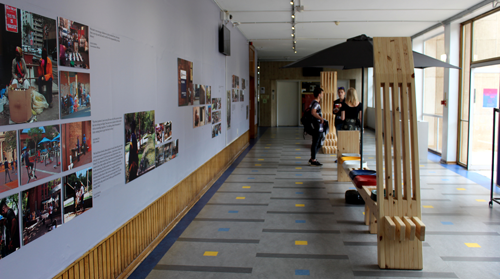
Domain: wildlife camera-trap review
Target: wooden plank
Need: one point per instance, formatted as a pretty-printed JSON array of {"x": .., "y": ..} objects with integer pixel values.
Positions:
[
  {"x": 410, "y": 228},
  {"x": 71, "y": 272},
  {"x": 400, "y": 228},
  {"x": 76, "y": 271},
  {"x": 389, "y": 228},
  {"x": 420, "y": 228}
]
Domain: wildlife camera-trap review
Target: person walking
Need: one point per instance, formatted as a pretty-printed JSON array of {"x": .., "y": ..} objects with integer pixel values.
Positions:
[
  {"x": 6, "y": 171},
  {"x": 45, "y": 77},
  {"x": 318, "y": 126},
  {"x": 337, "y": 106},
  {"x": 352, "y": 111}
]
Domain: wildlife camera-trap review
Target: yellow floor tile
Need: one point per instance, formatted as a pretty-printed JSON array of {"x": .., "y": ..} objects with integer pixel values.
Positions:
[
  {"x": 300, "y": 205},
  {"x": 481, "y": 200},
  {"x": 298, "y": 168},
  {"x": 258, "y": 165},
  {"x": 299, "y": 183},
  {"x": 210, "y": 253},
  {"x": 246, "y": 187},
  {"x": 240, "y": 198},
  {"x": 298, "y": 157},
  {"x": 461, "y": 189},
  {"x": 473, "y": 245},
  {"x": 428, "y": 206},
  {"x": 261, "y": 159},
  {"x": 300, "y": 242}
]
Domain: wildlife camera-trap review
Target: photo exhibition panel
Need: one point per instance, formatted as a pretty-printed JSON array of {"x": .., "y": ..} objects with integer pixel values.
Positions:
[{"x": 95, "y": 108}]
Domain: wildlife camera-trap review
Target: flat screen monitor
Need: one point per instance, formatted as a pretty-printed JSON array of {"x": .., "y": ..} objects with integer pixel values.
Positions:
[{"x": 225, "y": 41}]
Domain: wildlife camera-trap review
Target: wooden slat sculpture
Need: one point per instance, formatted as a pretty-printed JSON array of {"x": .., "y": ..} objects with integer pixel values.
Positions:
[
  {"x": 400, "y": 231},
  {"x": 329, "y": 85}
]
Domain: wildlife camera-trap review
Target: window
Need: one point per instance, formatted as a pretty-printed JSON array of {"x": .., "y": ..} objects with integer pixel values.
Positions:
[
  {"x": 486, "y": 37},
  {"x": 433, "y": 92}
]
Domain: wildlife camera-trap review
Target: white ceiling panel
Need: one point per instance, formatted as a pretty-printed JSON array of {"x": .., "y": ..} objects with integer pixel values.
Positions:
[
  {"x": 352, "y": 29},
  {"x": 377, "y": 15},
  {"x": 262, "y": 16},
  {"x": 266, "y": 31},
  {"x": 267, "y": 23}
]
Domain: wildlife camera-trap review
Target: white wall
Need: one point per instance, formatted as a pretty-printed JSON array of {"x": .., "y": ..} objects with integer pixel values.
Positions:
[{"x": 137, "y": 74}]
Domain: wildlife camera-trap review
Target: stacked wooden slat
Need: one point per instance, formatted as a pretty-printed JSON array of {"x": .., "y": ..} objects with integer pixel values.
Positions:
[{"x": 329, "y": 85}]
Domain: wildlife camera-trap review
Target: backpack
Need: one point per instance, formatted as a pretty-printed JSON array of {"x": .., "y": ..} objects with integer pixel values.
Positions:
[{"x": 307, "y": 120}]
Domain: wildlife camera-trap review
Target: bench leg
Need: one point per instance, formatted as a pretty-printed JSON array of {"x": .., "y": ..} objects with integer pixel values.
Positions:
[
  {"x": 373, "y": 224},
  {"x": 367, "y": 215}
]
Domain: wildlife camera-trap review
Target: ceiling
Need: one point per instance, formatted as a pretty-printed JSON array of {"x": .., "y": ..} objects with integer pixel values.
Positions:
[{"x": 268, "y": 23}]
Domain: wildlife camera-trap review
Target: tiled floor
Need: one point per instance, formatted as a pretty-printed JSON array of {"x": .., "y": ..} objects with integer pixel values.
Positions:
[{"x": 273, "y": 216}]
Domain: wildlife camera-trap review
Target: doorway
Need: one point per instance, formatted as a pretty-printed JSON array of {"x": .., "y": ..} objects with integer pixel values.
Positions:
[
  {"x": 484, "y": 95},
  {"x": 288, "y": 103}
]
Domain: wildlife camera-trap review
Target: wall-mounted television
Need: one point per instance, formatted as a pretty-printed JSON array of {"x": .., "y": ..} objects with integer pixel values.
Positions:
[{"x": 225, "y": 41}]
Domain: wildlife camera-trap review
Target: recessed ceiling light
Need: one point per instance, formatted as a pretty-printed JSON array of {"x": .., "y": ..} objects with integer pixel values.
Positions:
[
  {"x": 293, "y": 27},
  {"x": 291, "y": 2},
  {"x": 295, "y": 51},
  {"x": 293, "y": 16},
  {"x": 293, "y": 35}
]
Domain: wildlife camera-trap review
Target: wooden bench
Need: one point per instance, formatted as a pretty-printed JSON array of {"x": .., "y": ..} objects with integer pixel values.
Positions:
[{"x": 396, "y": 215}]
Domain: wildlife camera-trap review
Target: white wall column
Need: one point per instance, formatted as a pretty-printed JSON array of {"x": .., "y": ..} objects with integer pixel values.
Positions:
[{"x": 451, "y": 91}]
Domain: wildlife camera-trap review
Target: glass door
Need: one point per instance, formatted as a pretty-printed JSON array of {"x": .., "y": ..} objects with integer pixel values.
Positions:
[{"x": 484, "y": 96}]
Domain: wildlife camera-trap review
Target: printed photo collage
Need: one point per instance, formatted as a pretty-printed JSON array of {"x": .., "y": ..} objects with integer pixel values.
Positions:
[
  {"x": 238, "y": 93},
  {"x": 33, "y": 88},
  {"x": 197, "y": 95},
  {"x": 39, "y": 153},
  {"x": 147, "y": 145},
  {"x": 216, "y": 117}
]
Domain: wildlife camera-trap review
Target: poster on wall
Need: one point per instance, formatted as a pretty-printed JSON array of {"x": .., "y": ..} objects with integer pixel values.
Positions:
[
  {"x": 216, "y": 117},
  {"x": 236, "y": 82},
  {"x": 247, "y": 112},
  {"x": 41, "y": 210},
  {"x": 199, "y": 116},
  {"x": 242, "y": 96},
  {"x": 243, "y": 84},
  {"x": 202, "y": 94},
  {"x": 77, "y": 194},
  {"x": 76, "y": 144},
  {"x": 185, "y": 82},
  {"x": 216, "y": 103},
  {"x": 29, "y": 70},
  {"x": 228, "y": 109},
  {"x": 75, "y": 94},
  {"x": 236, "y": 97},
  {"x": 216, "y": 130},
  {"x": 139, "y": 144},
  {"x": 168, "y": 152},
  {"x": 490, "y": 98},
  {"x": 208, "y": 94},
  {"x": 10, "y": 216},
  {"x": 175, "y": 149},
  {"x": 163, "y": 132},
  {"x": 73, "y": 44},
  {"x": 40, "y": 152},
  {"x": 9, "y": 161}
]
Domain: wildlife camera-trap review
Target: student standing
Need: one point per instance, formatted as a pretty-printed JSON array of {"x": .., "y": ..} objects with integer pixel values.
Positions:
[
  {"x": 318, "y": 126},
  {"x": 352, "y": 111},
  {"x": 337, "y": 106}
]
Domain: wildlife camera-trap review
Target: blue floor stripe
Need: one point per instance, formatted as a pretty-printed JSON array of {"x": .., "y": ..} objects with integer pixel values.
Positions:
[
  {"x": 474, "y": 176},
  {"x": 143, "y": 270}
]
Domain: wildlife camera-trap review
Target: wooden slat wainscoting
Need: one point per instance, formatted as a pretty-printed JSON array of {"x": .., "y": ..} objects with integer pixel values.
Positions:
[{"x": 120, "y": 253}]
